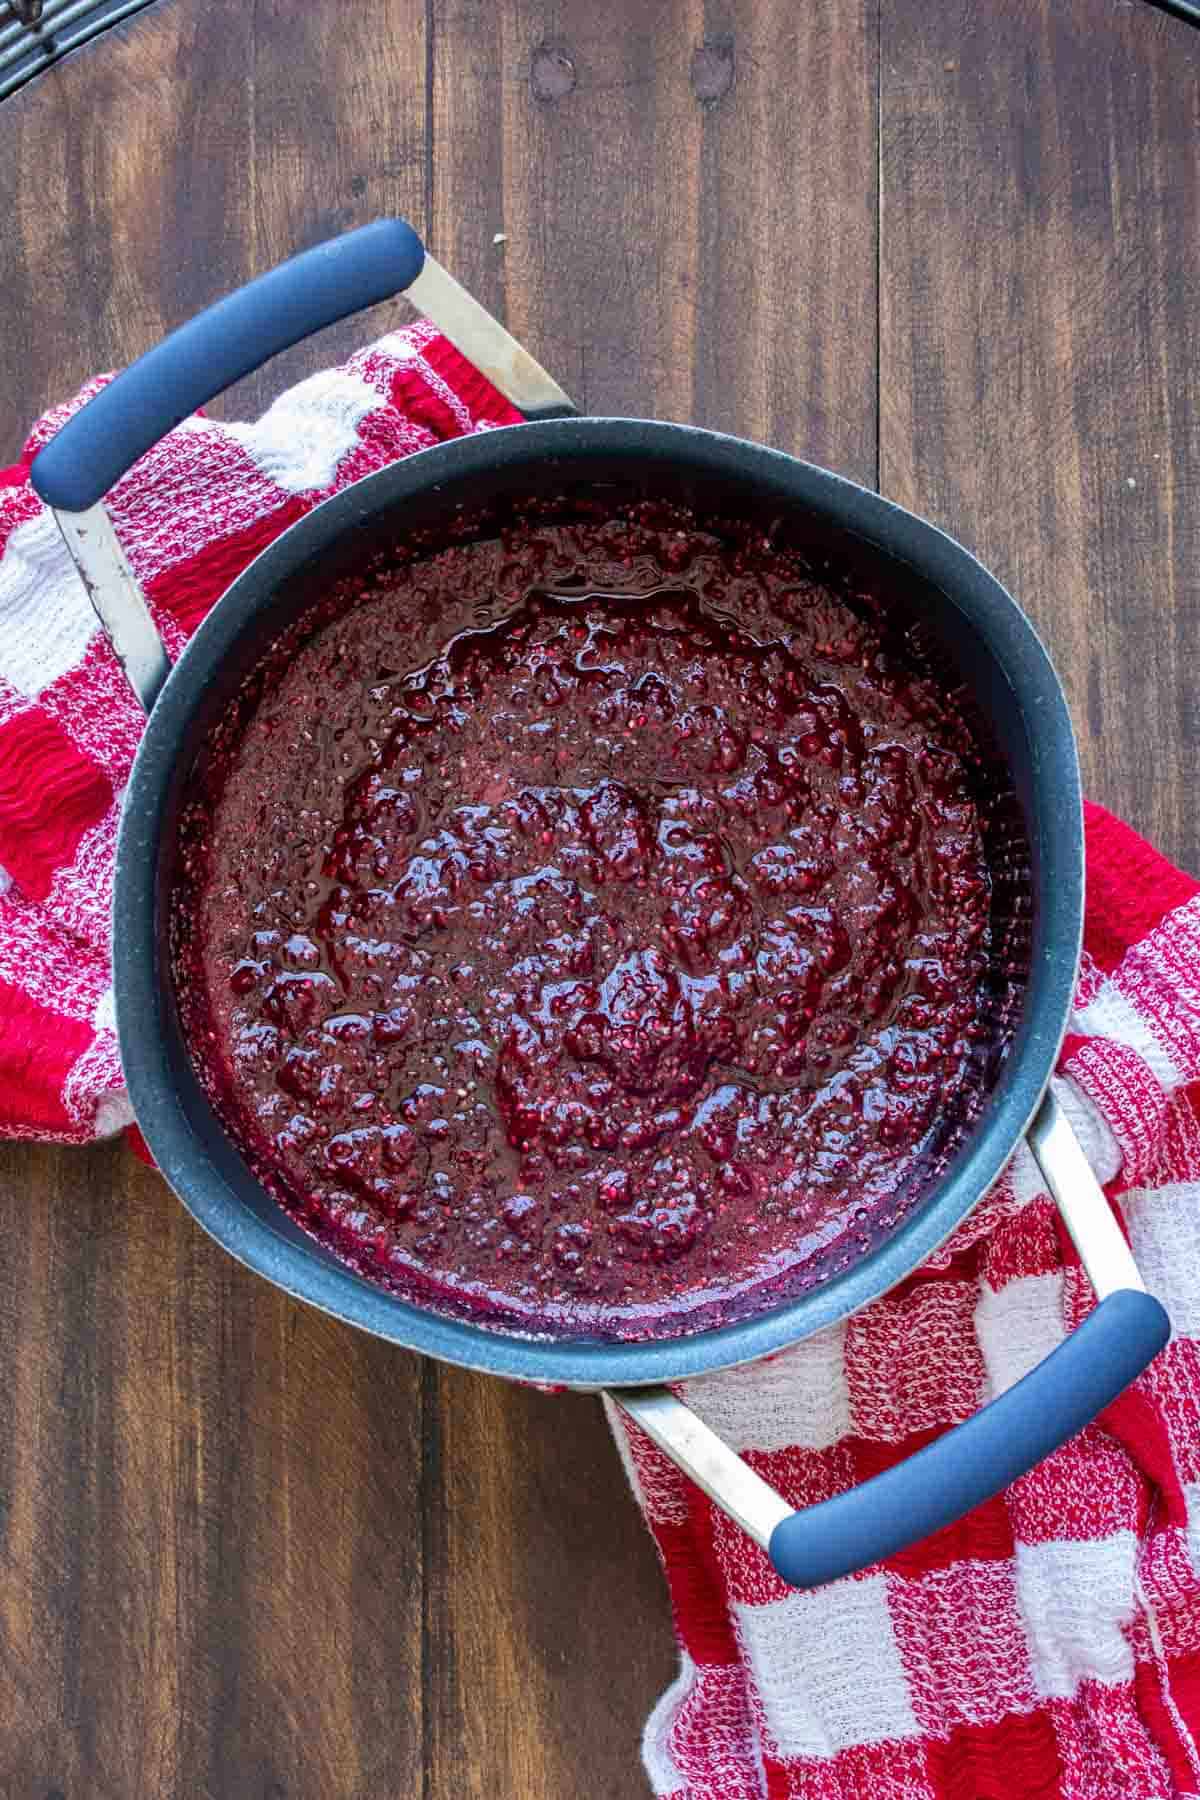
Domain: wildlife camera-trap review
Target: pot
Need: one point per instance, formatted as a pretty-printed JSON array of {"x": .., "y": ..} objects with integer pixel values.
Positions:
[{"x": 980, "y": 630}]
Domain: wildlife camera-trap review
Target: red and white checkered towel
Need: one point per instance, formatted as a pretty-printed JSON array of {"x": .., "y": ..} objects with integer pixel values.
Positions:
[
  {"x": 190, "y": 516},
  {"x": 1048, "y": 1645}
]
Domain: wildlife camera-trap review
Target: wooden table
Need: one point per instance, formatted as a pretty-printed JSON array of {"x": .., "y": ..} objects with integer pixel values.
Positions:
[{"x": 952, "y": 251}]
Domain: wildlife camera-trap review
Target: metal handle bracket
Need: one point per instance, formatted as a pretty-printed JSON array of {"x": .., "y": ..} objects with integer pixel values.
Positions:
[{"x": 117, "y": 598}]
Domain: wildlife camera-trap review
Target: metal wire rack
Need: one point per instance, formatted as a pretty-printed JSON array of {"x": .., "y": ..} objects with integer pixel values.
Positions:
[{"x": 36, "y": 33}]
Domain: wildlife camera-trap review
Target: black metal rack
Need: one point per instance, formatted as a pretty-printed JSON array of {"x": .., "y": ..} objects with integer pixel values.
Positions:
[{"x": 36, "y": 33}]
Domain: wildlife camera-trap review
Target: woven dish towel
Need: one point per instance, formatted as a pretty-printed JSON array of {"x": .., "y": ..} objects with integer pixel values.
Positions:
[{"x": 1049, "y": 1645}]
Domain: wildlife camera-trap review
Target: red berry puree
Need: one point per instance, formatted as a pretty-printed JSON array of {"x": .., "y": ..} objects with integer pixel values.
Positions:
[{"x": 588, "y": 929}]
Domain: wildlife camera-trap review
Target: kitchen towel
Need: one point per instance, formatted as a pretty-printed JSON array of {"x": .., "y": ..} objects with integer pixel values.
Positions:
[
  {"x": 190, "y": 516},
  {"x": 1049, "y": 1644}
]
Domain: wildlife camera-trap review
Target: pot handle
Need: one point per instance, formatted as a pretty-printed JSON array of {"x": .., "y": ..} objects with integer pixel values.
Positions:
[
  {"x": 103, "y": 440},
  {"x": 100, "y": 442},
  {"x": 975, "y": 1460}
]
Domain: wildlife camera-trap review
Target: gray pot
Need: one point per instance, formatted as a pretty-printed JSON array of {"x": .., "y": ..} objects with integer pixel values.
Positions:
[{"x": 981, "y": 630}]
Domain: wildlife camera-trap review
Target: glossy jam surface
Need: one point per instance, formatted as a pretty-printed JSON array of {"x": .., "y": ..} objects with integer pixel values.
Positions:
[{"x": 588, "y": 929}]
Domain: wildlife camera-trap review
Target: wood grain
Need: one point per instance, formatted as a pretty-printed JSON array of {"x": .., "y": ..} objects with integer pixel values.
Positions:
[
  {"x": 1040, "y": 350},
  {"x": 245, "y": 1551}
]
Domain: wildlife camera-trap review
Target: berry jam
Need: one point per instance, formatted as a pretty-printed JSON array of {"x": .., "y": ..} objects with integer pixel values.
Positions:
[{"x": 588, "y": 928}]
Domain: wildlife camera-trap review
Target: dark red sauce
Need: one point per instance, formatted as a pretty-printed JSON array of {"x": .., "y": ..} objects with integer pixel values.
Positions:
[{"x": 589, "y": 928}]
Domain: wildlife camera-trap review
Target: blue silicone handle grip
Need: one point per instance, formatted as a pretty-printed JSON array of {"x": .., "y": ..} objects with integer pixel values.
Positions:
[
  {"x": 316, "y": 288},
  {"x": 968, "y": 1465}
]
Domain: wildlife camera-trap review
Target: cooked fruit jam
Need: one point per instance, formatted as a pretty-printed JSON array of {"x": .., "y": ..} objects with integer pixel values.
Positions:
[{"x": 588, "y": 928}]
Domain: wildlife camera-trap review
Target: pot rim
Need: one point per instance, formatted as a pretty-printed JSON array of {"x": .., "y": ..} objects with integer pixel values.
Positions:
[{"x": 205, "y": 1174}]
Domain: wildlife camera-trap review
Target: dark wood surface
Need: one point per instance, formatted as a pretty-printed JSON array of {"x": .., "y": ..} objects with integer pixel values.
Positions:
[{"x": 245, "y": 1551}]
